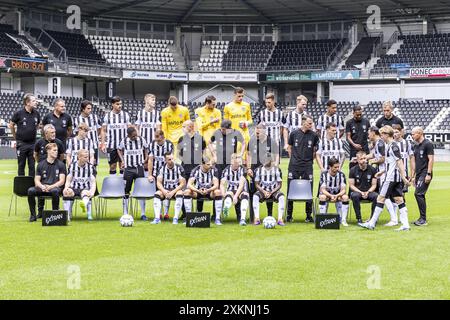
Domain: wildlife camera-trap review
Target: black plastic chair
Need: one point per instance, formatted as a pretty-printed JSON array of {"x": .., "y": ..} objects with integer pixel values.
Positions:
[
  {"x": 112, "y": 188},
  {"x": 20, "y": 189}
]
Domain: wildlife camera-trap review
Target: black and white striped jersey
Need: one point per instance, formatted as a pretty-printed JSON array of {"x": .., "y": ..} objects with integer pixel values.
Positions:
[
  {"x": 171, "y": 176},
  {"x": 147, "y": 122},
  {"x": 233, "y": 177},
  {"x": 392, "y": 155},
  {"x": 379, "y": 150},
  {"x": 73, "y": 145},
  {"x": 133, "y": 151},
  {"x": 330, "y": 149},
  {"x": 158, "y": 151},
  {"x": 204, "y": 180},
  {"x": 116, "y": 128},
  {"x": 268, "y": 178},
  {"x": 293, "y": 120},
  {"x": 273, "y": 121},
  {"x": 333, "y": 184},
  {"x": 81, "y": 176},
  {"x": 94, "y": 124},
  {"x": 406, "y": 150},
  {"x": 325, "y": 119}
]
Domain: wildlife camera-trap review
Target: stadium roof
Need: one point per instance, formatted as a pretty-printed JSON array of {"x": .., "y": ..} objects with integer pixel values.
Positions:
[{"x": 240, "y": 11}]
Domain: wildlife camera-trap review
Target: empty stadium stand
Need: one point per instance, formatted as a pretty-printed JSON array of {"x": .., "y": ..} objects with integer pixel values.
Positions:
[
  {"x": 135, "y": 53},
  {"x": 247, "y": 56},
  {"x": 8, "y": 46},
  {"x": 76, "y": 45},
  {"x": 217, "y": 50},
  {"x": 303, "y": 55},
  {"x": 431, "y": 50},
  {"x": 362, "y": 52}
]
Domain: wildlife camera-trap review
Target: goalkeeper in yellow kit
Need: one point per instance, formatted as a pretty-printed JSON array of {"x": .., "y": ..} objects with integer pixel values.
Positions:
[
  {"x": 208, "y": 118},
  {"x": 172, "y": 119}
]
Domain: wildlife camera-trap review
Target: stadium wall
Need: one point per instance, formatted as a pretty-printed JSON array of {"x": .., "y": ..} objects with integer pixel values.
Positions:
[{"x": 223, "y": 93}]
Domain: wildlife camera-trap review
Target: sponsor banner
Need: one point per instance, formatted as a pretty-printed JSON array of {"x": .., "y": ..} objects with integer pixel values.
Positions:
[
  {"x": 335, "y": 75},
  {"x": 223, "y": 77},
  {"x": 296, "y": 76},
  {"x": 24, "y": 64},
  {"x": 151, "y": 75},
  {"x": 429, "y": 72},
  {"x": 400, "y": 66},
  {"x": 198, "y": 219}
]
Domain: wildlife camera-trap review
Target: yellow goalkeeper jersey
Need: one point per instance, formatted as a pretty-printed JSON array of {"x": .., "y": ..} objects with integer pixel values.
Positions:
[
  {"x": 237, "y": 112},
  {"x": 203, "y": 118},
  {"x": 172, "y": 122}
]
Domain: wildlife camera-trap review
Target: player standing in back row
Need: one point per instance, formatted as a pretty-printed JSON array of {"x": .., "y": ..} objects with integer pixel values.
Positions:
[
  {"x": 330, "y": 116},
  {"x": 172, "y": 119},
  {"x": 114, "y": 130},
  {"x": 239, "y": 113},
  {"x": 273, "y": 120}
]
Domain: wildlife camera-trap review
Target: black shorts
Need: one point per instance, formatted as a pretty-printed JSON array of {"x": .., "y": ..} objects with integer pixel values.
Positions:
[
  {"x": 390, "y": 189},
  {"x": 274, "y": 197},
  {"x": 76, "y": 194},
  {"x": 113, "y": 156}
]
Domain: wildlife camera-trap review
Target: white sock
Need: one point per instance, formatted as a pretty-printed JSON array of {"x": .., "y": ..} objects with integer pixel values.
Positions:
[
  {"x": 339, "y": 208},
  {"x": 142, "y": 203},
  {"x": 228, "y": 202},
  {"x": 390, "y": 208},
  {"x": 404, "y": 217},
  {"x": 344, "y": 211},
  {"x": 376, "y": 215},
  {"x": 146, "y": 174},
  {"x": 178, "y": 206},
  {"x": 256, "y": 206},
  {"x": 218, "y": 205},
  {"x": 281, "y": 204},
  {"x": 166, "y": 204},
  {"x": 188, "y": 204},
  {"x": 323, "y": 207},
  {"x": 86, "y": 200},
  {"x": 157, "y": 207},
  {"x": 68, "y": 206},
  {"x": 244, "y": 207},
  {"x": 125, "y": 206},
  {"x": 89, "y": 209}
]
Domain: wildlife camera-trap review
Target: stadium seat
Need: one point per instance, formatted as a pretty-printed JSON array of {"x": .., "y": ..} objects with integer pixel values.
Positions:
[
  {"x": 143, "y": 190},
  {"x": 112, "y": 188},
  {"x": 300, "y": 191}
]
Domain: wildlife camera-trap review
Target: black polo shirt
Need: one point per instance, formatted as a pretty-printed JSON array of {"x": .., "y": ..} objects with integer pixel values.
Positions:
[
  {"x": 421, "y": 153},
  {"x": 191, "y": 149},
  {"x": 61, "y": 124},
  {"x": 40, "y": 145},
  {"x": 49, "y": 172},
  {"x": 27, "y": 124},
  {"x": 389, "y": 122},
  {"x": 226, "y": 145},
  {"x": 303, "y": 148},
  {"x": 359, "y": 132},
  {"x": 363, "y": 178},
  {"x": 258, "y": 150}
]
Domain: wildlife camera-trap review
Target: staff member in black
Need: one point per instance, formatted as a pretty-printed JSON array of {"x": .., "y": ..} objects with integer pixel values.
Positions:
[
  {"x": 302, "y": 147},
  {"x": 363, "y": 184},
  {"x": 190, "y": 150},
  {"x": 60, "y": 120},
  {"x": 357, "y": 131},
  {"x": 388, "y": 118},
  {"x": 424, "y": 158},
  {"x": 27, "y": 121},
  {"x": 260, "y": 147},
  {"x": 225, "y": 142},
  {"x": 40, "y": 151},
  {"x": 49, "y": 180}
]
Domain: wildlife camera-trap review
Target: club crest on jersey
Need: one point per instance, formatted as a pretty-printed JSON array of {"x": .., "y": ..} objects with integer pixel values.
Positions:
[
  {"x": 309, "y": 143},
  {"x": 243, "y": 108},
  {"x": 180, "y": 116}
]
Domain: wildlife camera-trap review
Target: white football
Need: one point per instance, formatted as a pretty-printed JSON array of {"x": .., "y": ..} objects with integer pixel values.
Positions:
[
  {"x": 269, "y": 222},
  {"x": 126, "y": 220}
]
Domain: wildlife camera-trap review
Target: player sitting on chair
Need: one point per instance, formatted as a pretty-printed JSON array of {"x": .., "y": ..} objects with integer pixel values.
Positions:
[
  {"x": 170, "y": 183},
  {"x": 333, "y": 189},
  {"x": 268, "y": 181},
  {"x": 80, "y": 182},
  {"x": 234, "y": 186},
  {"x": 204, "y": 183}
]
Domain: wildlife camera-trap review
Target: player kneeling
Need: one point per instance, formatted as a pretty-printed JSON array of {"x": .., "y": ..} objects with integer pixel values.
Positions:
[
  {"x": 203, "y": 183},
  {"x": 80, "y": 182},
  {"x": 333, "y": 189},
  {"x": 234, "y": 186},
  {"x": 170, "y": 183},
  {"x": 268, "y": 181}
]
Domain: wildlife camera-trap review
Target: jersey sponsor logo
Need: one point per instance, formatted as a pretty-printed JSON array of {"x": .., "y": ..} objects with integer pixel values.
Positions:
[
  {"x": 172, "y": 123},
  {"x": 330, "y": 153},
  {"x": 147, "y": 125},
  {"x": 117, "y": 126},
  {"x": 235, "y": 116},
  {"x": 81, "y": 180},
  {"x": 133, "y": 152}
]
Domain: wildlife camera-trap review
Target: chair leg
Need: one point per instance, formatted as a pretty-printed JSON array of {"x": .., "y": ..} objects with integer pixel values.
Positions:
[{"x": 10, "y": 204}]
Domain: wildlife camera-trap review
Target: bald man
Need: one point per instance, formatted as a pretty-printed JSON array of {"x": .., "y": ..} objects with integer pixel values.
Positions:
[{"x": 424, "y": 158}]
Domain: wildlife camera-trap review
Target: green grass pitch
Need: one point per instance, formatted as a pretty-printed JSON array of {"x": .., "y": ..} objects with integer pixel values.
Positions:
[{"x": 101, "y": 260}]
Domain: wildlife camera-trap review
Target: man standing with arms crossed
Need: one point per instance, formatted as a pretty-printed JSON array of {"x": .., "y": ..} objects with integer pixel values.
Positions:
[
  {"x": 27, "y": 121},
  {"x": 357, "y": 131}
]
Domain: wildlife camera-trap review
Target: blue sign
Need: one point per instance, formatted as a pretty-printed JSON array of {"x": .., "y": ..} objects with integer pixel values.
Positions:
[
  {"x": 335, "y": 75},
  {"x": 400, "y": 66}
]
